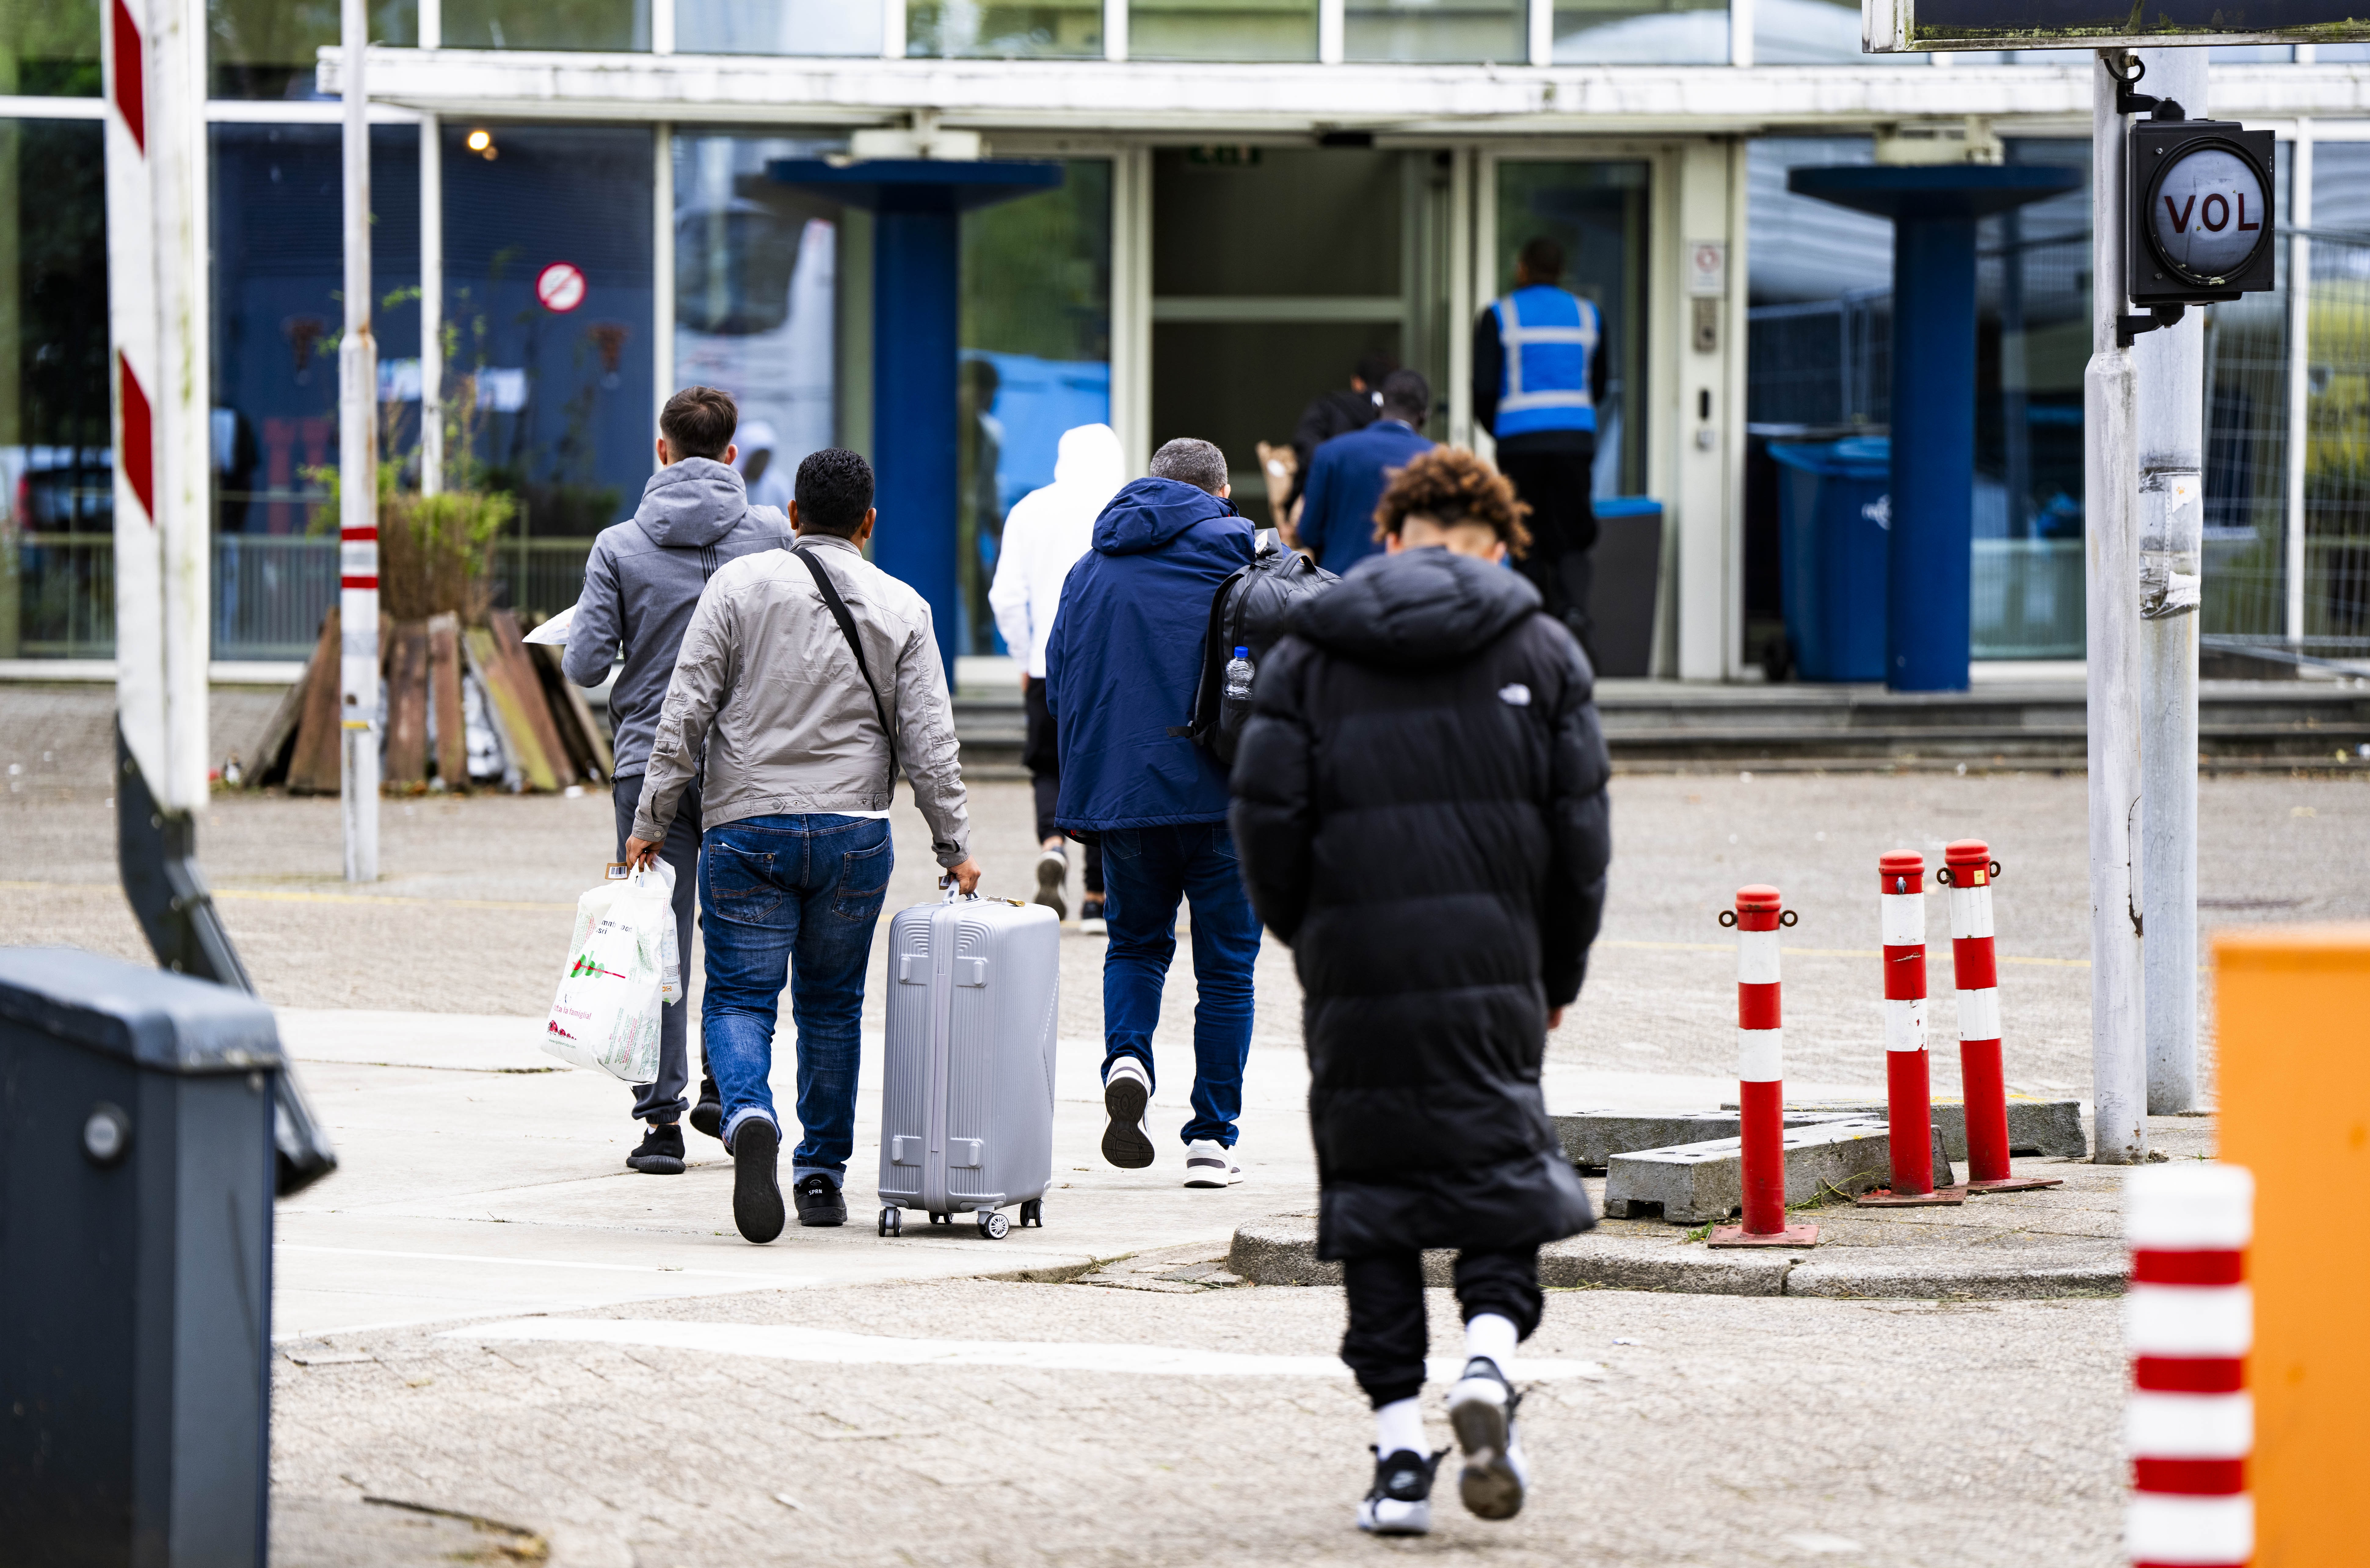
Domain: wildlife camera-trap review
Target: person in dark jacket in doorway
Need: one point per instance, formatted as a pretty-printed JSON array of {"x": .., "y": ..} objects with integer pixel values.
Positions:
[
  {"x": 1335, "y": 414},
  {"x": 1121, "y": 670},
  {"x": 1419, "y": 804},
  {"x": 641, "y": 584},
  {"x": 1337, "y": 524}
]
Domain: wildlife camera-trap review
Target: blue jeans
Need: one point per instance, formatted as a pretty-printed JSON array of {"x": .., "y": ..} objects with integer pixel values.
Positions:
[
  {"x": 799, "y": 894},
  {"x": 1146, "y": 870}
]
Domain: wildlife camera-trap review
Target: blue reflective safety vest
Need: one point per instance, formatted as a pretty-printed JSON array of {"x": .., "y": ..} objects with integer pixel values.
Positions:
[{"x": 1549, "y": 338}]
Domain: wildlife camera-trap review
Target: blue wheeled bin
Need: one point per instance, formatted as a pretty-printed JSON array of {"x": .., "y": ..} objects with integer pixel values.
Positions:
[{"x": 1834, "y": 517}]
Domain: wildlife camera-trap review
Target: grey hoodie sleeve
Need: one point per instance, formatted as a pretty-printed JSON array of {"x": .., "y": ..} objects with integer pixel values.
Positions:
[
  {"x": 599, "y": 625},
  {"x": 926, "y": 745},
  {"x": 704, "y": 672}
]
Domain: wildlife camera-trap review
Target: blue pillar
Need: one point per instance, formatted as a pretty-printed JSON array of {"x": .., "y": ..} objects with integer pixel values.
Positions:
[
  {"x": 1928, "y": 567},
  {"x": 1930, "y": 552},
  {"x": 917, "y": 299}
]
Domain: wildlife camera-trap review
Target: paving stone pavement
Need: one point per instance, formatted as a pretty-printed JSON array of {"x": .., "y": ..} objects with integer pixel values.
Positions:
[{"x": 1721, "y": 1431}]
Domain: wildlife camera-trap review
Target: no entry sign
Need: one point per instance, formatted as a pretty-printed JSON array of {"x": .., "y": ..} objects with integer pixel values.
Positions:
[{"x": 560, "y": 286}]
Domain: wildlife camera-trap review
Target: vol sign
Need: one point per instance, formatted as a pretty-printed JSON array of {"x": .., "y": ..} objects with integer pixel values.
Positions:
[{"x": 2202, "y": 220}]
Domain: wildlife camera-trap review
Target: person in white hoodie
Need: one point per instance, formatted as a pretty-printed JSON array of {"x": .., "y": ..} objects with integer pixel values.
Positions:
[{"x": 1044, "y": 534}]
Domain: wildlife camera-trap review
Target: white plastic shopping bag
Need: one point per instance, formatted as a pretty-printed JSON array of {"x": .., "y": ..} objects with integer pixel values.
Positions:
[{"x": 622, "y": 968}]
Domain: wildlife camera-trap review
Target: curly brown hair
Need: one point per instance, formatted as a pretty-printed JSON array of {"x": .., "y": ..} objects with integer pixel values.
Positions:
[{"x": 1450, "y": 486}]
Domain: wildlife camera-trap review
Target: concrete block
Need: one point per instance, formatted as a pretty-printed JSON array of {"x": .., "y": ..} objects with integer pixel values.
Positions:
[
  {"x": 1593, "y": 1137},
  {"x": 2034, "y": 1126},
  {"x": 1700, "y": 1182}
]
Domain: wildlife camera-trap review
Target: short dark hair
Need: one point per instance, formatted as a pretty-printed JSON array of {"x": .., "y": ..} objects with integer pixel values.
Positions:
[
  {"x": 1543, "y": 258},
  {"x": 698, "y": 422},
  {"x": 1451, "y": 486},
  {"x": 1405, "y": 392},
  {"x": 1374, "y": 368},
  {"x": 1196, "y": 463},
  {"x": 834, "y": 492}
]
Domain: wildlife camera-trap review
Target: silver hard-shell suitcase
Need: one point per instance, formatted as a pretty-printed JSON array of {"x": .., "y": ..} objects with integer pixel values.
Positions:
[{"x": 967, "y": 1092}]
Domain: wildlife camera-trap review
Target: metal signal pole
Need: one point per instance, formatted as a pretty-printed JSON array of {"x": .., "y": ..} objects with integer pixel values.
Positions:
[
  {"x": 2110, "y": 544},
  {"x": 2170, "y": 366},
  {"x": 358, "y": 483}
]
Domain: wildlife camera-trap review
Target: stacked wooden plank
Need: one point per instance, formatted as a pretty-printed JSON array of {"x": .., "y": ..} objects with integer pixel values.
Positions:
[{"x": 543, "y": 731}]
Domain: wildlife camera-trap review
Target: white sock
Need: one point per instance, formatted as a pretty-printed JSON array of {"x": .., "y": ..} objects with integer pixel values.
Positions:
[
  {"x": 1399, "y": 1428},
  {"x": 1494, "y": 1335}
]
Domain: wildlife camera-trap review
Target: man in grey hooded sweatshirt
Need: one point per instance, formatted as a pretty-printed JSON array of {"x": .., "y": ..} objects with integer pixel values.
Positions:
[{"x": 640, "y": 587}]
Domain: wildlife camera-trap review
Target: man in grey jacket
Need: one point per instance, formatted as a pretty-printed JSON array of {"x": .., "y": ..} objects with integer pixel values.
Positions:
[
  {"x": 640, "y": 586},
  {"x": 806, "y": 678}
]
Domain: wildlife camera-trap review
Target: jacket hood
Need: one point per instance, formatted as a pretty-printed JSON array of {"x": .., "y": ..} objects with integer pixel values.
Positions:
[
  {"x": 1090, "y": 458},
  {"x": 694, "y": 502},
  {"x": 1417, "y": 607},
  {"x": 1148, "y": 514}
]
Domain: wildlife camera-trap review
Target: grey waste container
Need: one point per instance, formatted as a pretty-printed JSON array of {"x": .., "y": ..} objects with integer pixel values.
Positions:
[{"x": 136, "y": 1263}]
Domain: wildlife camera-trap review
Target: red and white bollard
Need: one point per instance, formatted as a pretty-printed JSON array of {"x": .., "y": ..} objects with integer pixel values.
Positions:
[
  {"x": 1761, "y": 1070},
  {"x": 2189, "y": 1321},
  {"x": 1909, "y": 1082},
  {"x": 1968, "y": 872}
]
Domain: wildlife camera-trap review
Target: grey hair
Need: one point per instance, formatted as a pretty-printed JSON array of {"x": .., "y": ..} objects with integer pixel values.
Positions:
[{"x": 1197, "y": 463}]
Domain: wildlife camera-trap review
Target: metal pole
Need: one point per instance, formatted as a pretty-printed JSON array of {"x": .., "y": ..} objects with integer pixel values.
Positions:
[
  {"x": 2169, "y": 368},
  {"x": 2110, "y": 476},
  {"x": 432, "y": 305},
  {"x": 2299, "y": 214},
  {"x": 358, "y": 481}
]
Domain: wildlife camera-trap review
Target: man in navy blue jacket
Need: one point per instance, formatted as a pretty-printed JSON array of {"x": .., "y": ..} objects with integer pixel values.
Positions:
[
  {"x": 1121, "y": 670},
  {"x": 1347, "y": 475}
]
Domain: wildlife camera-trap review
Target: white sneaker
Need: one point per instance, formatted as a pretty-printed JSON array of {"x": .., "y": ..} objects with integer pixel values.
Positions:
[
  {"x": 1400, "y": 1503},
  {"x": 1053, "y": 871},
  {"x": 1127, "y": 1089},
  {"x": 1481, "y": 1408},
  {"x": 1209, "y": 1163}
]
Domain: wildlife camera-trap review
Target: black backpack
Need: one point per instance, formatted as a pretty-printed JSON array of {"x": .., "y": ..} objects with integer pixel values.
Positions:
[{"x": 1247, "y": 611}]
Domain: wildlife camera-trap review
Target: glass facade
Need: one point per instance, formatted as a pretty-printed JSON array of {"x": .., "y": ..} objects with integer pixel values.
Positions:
[
  {"x": 775, "y": 27},
  {"x": 1437, "y": 31},
  {"x": 279, "y": 313},
  {"x": 1035, "y": 330},
  {"x": 49, "y": 49},
  {"x": 1597, "y": 213},
  {"x": 267, "y": 48},
  {"x": 1222, "y": 30},
  {"x": 621, "y": 25},
  {"x": 757, "y": 298},
  {"x": 1627, "y": 32},
  {"x": 57, "y": 499},
  {"x": 1055, "y": 29},
  {"x": 1814, "y": 32},
  {"x": 553, "y": 402}
]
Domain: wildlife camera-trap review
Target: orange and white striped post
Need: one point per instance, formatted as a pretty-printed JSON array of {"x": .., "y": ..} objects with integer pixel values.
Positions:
[
  {"x": 2189, "y": 1323},
  {"x": 1968, "y": 869}
]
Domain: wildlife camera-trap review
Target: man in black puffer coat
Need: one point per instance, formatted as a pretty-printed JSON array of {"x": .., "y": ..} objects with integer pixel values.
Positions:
[{"x": 1419, "y": 811}]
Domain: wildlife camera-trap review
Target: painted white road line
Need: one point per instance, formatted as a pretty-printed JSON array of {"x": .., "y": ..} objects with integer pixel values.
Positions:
[{"x": 836, "y": 1347}]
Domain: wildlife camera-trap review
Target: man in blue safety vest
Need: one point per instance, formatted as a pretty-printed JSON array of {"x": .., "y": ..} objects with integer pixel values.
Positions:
[{"x": 1538, "y": 377}]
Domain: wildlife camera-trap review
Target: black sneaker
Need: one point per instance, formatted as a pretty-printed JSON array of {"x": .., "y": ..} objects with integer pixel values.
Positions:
[
  {"x": 819, "y": 1200},
  {"x": 660, "y": 1153},
  {"x": 1400, "y": 1503},
  {"x": 707, "y": 1116},
  {"x": 1481, "y": 1408},
  {"x": 756, "y": 1193},
  {"x": 1053, "y": 871},
  {"x": 1126, "y": 1091},
  {"x": 1091, "y": 918}
]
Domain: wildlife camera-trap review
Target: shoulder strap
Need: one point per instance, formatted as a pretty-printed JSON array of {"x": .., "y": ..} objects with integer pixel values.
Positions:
[{"x": 838, "y": 607}]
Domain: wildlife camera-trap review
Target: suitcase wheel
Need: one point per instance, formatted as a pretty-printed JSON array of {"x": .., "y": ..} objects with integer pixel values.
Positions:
[
  {"x": 1033, "y": 1213},
  {"x": 994, "y": 1225},
  {"x": 892, "y": 1222}
]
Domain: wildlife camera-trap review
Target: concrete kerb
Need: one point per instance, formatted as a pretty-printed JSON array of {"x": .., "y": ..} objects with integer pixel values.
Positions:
[
  {"x": 1704, "y": 1182},
  {"x": 1283, "y": 1251}
]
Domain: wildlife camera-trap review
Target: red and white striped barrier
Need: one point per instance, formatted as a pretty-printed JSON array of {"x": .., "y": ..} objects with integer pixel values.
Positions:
[
  {"x": 1909, "y": 1082},
  {"x": 2189, "y": 1323},
  {"x": 1761, "y": 1071},
  {"x": 1968, "y": 872}
]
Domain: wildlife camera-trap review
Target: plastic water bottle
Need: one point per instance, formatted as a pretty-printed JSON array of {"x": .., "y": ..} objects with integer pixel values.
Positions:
[{"x": 1238, "y": 676}]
